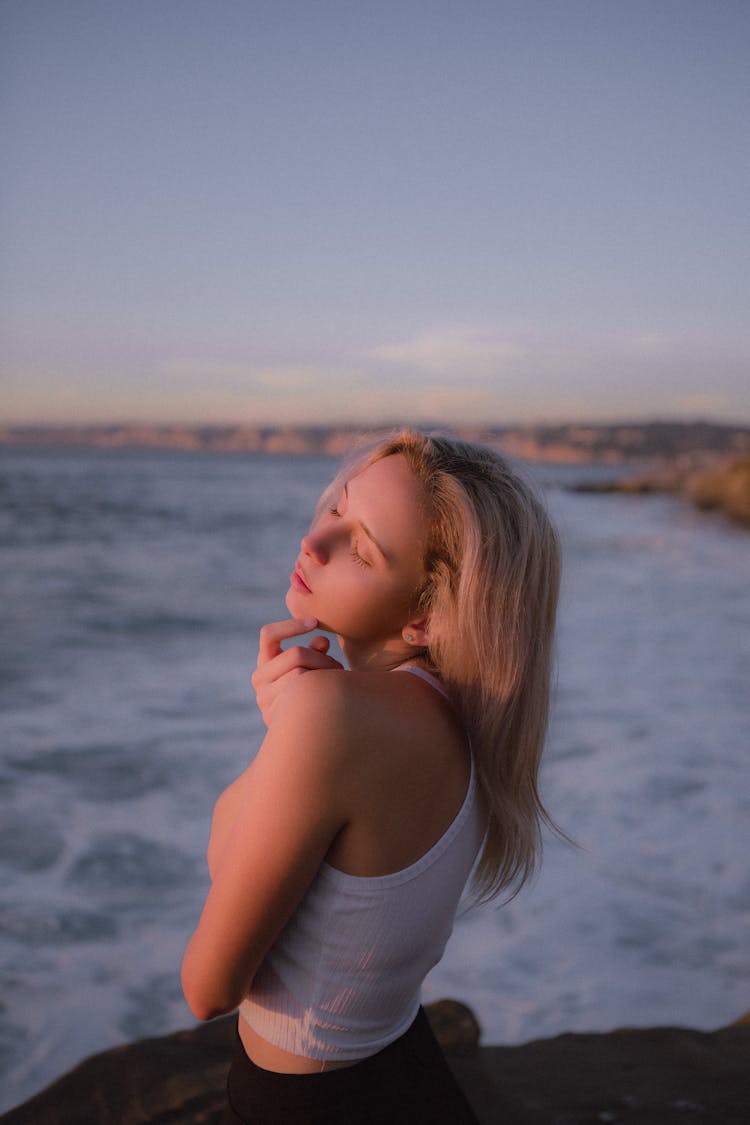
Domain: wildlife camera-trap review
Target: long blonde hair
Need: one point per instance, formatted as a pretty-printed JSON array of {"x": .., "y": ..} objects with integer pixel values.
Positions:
[{"x": 492, "y": 566}]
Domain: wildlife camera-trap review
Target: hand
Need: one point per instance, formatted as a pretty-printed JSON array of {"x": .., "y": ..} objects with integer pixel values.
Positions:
[{"x": 276, "y": 666}]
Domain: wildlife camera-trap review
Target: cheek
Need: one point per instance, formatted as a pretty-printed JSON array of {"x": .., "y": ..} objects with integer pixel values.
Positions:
[
  {"x": 390, "y": 608},
  {"x": 364, "y": 614}
]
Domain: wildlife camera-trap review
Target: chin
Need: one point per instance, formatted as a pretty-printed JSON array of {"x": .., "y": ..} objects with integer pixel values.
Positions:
[{"x": 297, "y": 605}]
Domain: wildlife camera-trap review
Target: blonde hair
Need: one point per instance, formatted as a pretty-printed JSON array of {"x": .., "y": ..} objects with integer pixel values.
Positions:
[{"x": 492, "y": 567}]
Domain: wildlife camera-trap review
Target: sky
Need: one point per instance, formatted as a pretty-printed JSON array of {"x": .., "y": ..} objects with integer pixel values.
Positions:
[{"x": 328, "y": 211}]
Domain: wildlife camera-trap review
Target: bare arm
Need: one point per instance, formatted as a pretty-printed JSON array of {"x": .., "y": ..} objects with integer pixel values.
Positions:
[
  {"x": 292, "y": 805},
  {"x": 276, "y": 669}
]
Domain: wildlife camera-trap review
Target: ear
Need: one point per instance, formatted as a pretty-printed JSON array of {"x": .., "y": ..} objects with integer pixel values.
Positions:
[{"x": 416, "y": 632}]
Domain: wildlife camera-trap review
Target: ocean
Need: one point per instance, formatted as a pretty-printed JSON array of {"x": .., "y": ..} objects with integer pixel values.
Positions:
[{"x": 134, "y": 585}]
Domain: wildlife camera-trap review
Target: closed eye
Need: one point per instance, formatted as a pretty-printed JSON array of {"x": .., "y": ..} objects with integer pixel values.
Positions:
[
  {"x": 354, "y": 553},
  {"x": 357, "y": 557}
]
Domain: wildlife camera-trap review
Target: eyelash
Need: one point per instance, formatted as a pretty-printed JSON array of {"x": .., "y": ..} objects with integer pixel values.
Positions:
[{"x": 354, "y": 553}]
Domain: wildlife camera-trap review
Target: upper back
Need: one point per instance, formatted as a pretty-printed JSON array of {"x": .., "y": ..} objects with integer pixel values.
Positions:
[{"x": 407, "y": 773}]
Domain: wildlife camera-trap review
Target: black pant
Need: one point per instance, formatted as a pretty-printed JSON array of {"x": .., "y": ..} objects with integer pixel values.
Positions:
[{"x": 407, "y": 1083}]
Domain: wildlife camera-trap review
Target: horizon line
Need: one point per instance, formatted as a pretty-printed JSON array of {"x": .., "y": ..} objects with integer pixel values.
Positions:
[{"x": 384, "y": 423}]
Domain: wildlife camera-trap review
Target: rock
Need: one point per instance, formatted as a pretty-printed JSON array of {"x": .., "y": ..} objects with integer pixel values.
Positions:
[
  {"x": 726, "y": 488},
  {"x": 656, "y": 482},
  {"x": 455, "y": 1026},
  {"x": 177, "y": 1079},
  {"x": 653, "y": 1076},
  {"x": 720, "y": 487}
]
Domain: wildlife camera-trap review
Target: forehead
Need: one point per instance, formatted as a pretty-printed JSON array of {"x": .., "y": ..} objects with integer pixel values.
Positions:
[{"x": 390, "y": 478}]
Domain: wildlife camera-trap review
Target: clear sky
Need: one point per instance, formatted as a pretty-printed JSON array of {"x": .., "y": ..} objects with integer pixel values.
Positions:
[{"x": 333, "y": 210}]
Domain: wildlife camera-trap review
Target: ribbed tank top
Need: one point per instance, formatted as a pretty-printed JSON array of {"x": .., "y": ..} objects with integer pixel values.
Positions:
[{"x": 343, "y": 978}]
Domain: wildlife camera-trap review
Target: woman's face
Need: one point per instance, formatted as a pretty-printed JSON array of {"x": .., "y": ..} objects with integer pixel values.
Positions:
[{"x": 359, "y": 570}]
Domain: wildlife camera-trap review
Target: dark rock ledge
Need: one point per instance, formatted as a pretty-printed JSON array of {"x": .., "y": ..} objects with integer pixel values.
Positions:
[{"x": 649, "y": 1076}]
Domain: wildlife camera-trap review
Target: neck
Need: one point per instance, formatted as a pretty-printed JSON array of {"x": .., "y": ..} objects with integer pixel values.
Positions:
[{"x": 383, "y": 657}]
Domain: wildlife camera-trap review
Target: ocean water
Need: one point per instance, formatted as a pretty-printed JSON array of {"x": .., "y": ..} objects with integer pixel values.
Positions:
[{"x": 133, "y": 587}]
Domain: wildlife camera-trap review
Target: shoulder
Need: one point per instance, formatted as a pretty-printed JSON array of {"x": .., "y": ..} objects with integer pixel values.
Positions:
[
  {"x": 320, "y": 721},
  {"x": 380, "y": 715},
  {"x": 316, "y": 695},
  {"x": 344, "y": 697},
  {"x": 332, "y": 712},
  {"x": 382, "y": 712}
]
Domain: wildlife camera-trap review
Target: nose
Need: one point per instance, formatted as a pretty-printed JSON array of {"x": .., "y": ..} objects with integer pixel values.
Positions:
[{"x": 314, "y": 547}]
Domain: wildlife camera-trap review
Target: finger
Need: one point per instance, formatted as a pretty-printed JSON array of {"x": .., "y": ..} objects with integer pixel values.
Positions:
[
  {"x": 268, "y": 691},
  {"x": 320, "y": 643},
  {"x": 275, "y": 632},
  {"x": 297, "y": 657},
  {"x": 293, "y": 660}
]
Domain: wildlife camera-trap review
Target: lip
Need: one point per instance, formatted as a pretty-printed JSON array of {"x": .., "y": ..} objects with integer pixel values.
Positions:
[{"x": 297, "y": 580}]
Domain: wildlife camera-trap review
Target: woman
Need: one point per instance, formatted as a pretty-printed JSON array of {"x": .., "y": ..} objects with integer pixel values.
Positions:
[{"x": 339, "y": 856}]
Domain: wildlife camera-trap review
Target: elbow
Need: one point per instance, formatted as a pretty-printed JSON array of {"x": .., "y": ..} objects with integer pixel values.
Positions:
[
  {"x": 196, "y": 1001},
  {"x": 203, "y": 1005},
  {"x": 204, "y": 1012}
]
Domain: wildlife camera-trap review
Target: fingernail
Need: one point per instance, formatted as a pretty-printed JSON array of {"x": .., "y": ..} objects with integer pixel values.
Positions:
[{"x": 309, "y": 622}]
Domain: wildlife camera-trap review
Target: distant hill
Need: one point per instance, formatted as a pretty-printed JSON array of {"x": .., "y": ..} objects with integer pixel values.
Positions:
[{"x": 574, "y": 443}]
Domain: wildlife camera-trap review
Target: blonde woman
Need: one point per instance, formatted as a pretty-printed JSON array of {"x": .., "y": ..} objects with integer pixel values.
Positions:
[{"x": 339, "y": 856}]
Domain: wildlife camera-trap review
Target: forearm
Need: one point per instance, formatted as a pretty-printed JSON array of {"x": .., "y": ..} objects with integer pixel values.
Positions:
[{"x": 210, "y": 988}]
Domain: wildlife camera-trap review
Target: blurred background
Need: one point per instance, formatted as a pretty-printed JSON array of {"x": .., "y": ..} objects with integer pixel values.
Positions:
[{"x": 226, "y": 223}]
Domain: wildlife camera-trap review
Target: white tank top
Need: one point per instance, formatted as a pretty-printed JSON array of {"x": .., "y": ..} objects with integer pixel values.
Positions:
[{"x": 343, "y": 978}]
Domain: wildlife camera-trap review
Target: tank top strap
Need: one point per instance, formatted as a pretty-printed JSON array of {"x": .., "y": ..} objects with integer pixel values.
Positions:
[{"x": 423, "y": 674}]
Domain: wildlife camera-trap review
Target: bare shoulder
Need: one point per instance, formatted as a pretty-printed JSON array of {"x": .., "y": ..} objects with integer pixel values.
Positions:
[
  {"x": 349, "y": 693},
  {"x": 315, "y": 692},
  {"x": 399, "y": 719},
  {"x": 309, "y": 720},
  {"x": 326, "y": 715},
  {"x": 396, "y": 695},
  {"x": 358, "y": 709}
]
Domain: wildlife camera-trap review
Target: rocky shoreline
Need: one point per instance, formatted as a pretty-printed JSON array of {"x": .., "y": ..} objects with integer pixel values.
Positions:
[
  {"x": 722, "y": 486},
  {"x": 639, "y": 1076}
]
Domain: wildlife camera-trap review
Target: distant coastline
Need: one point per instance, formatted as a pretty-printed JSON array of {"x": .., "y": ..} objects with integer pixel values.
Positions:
[{"x": 687, "y": 445}]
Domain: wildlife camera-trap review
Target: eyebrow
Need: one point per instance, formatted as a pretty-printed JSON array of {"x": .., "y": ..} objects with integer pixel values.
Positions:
[{"x": 367, "y": 531}]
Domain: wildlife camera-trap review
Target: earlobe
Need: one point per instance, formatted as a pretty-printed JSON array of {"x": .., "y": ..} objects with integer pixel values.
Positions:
[{"x": 416, "y": 633}]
